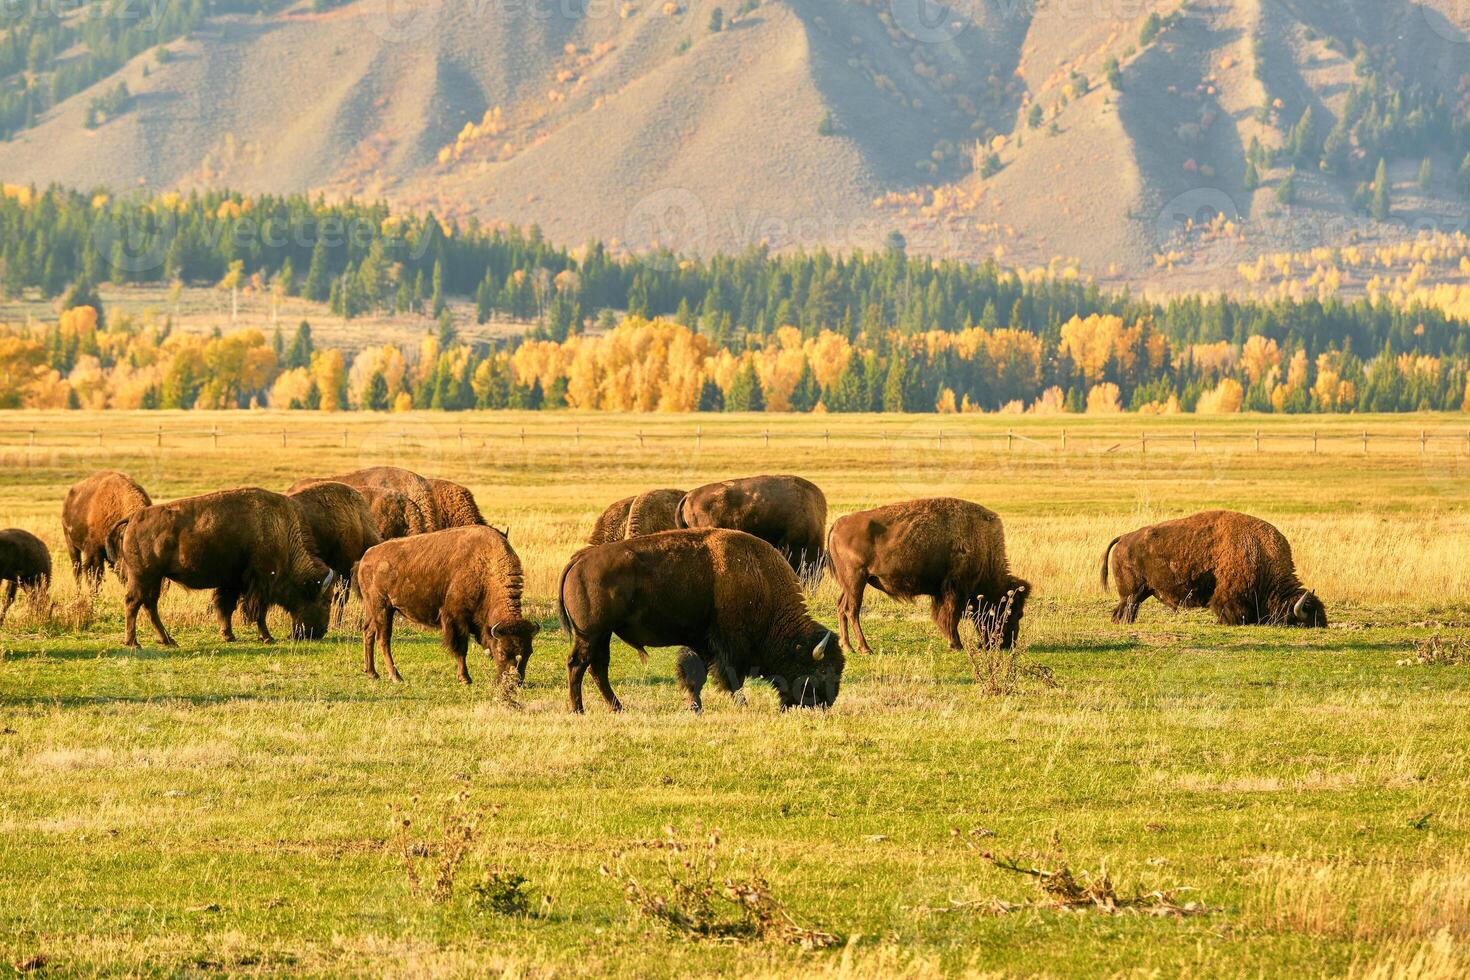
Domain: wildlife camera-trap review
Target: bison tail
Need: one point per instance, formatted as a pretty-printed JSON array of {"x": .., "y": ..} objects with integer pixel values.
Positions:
[
  {"x": 561, "y": 604},
  {"x": 1106, "y": 555}
]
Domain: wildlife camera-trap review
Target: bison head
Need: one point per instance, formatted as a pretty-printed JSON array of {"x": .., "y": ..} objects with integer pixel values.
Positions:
[
  {"x": 509, "y": 645},
  {"x": 814, "y": 671},
  {"x": 311, "y": 614},
  {"x": 1309, "y": 611}
]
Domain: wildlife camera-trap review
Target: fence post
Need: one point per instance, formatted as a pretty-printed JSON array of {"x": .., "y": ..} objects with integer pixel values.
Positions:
[
  {"x": 1423, "y": 442},
  {"x": 33, "y": 438},
  {"x": 1365, "y": 442},
  {"x": 158, "y": 440},
  {"x": 640, "y": 438},
  {"x": 461, "y": 440},
  {"x": 698, "y": 436},
  {"x": 1194, "y": 439},
  {"x": 214, "y": 435},
  {"x": 344, "y": 438},
  {"x": 827, "y": 434},
  {"x": 1143, "y": 443},
  {"x": 1064, "y": 440},
  {"x": 523, "y": 437},
  {"x": 579, "y": 435},
  {"x": 1258, "y": 440},
  {"x": 768, "y": 438},
  {"x": 283, "y": 438},
  {"x": 1314, "y": 442},
  {"x": 1010, "y": 439}
]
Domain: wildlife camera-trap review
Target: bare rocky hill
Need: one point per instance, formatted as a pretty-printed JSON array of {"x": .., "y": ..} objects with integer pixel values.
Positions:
[{"x": 1108, "y": 132}]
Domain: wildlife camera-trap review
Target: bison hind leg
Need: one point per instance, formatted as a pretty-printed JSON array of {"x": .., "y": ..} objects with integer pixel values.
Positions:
[
  {"x": 946, "y": 610},
  {"x": 691, "y": 671}
]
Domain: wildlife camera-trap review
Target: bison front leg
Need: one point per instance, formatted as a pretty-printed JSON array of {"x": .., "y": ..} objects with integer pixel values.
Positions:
[
  {"x": 225, "y": 602},
  {"x": 458, "y": 643},
  {"x": 383, "y": 628},
  {"x": 10, "y": 589},
  {"x": 850, "y": 613}
]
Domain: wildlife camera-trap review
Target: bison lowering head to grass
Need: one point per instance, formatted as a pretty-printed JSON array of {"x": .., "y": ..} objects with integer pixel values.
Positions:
[
  {"x": 247, "y": 545},
  {"x": 443, "y": 503},
  {"x": 24, "y": 564},
  {"x": 1237, "y": 566},
  {"x": 92, "y": 508},
  {"x": 728, "y": 596},
  {"x": 466, "y": 582},
  {"x": 786, "y": 511},
  {"x": 951, "y": 550}
]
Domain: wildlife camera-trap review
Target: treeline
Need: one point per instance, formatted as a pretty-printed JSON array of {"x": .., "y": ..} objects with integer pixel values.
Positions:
[
  {"x": 1102, "y": 364},
  {"x": 360, "y": 257}
]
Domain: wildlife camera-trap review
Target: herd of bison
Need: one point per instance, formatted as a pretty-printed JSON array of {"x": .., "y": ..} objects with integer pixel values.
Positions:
[{"x": 717, "y": 571}]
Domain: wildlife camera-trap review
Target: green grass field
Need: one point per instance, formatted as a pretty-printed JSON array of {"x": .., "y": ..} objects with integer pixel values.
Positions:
[{"x": 231, "y": 808}]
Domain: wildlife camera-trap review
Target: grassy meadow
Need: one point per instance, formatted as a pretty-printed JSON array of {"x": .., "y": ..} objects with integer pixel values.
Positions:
[{"x": 1278, "y": 801}]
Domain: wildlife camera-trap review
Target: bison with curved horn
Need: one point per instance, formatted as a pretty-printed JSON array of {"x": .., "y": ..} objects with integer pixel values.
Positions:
[
  {"x": 92, "y": 508},
  {"x": 950, "y": 550},
  {"x": 248, "y": 545},
  {"x": 342, "y": 528},
  {"x": 1237, "y": 566},
  {"x": 728, "y": 596},
  {"x": 465, "y": 581},
  {"x": 785, "y": 511}
]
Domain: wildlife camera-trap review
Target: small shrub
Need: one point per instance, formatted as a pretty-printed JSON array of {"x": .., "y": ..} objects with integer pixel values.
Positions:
[
  {"x": 1439, "y": 651},
  {"x": 706, "y": 899},
  {"x": 993, "y": 666},
  {"x": 501, "y": 892}
]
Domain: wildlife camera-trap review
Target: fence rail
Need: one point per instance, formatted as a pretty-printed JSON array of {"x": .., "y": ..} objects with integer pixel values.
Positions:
[{"x": 955, "y": 438}]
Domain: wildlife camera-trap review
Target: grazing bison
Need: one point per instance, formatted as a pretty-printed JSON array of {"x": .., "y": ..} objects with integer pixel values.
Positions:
[
  {"x": 1238, "y": 566},
  {"x": 445, "y": 504},
  {"x": 951, "y": 550},
  {"x": 246, "y": 544},
  {"x": 92, "y": 507},
  {"x": 785, "y": 511},
  {"x": 726, "y": 595},
  {"x": 395, "y": 514},
  {"x": 24, "y": 564},
  {"x": 647, "y": 513},
  {"x": 465, "y": 581},
  {"x": 342, "y": 528}
]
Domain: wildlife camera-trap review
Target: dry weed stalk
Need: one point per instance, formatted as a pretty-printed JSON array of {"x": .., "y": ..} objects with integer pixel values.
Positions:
[
  {"x": 993, "y": 666},
  {"x": 1439, "y": 651},
  {"x": 431, "y": 867},
  {"x": 706, "y": 901}
]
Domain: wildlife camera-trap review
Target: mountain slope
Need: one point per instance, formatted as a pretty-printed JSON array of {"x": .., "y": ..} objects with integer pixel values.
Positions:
[{"x": 1039, "y": 132}]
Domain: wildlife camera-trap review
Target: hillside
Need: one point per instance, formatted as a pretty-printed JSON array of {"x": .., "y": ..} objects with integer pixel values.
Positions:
[{"x": 1031, "y": 131}]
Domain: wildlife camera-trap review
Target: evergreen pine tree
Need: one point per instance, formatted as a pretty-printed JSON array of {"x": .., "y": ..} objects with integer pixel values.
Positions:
[
  {"x": 1382, "y": 205},
  {"x": 806, "y": 394},
  {"x": 711, "y": 398},
  {"x": 745, "y": 392},
  {"x": 377, "y": 393},
  {"x": 319, "y": 283}
]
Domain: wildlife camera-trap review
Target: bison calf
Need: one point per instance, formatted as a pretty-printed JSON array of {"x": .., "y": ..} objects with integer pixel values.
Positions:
[
  {"x": 466, "y": 582},
  {"x": 1238, "y": 566},
  {"x": 786, "y": 511},
  {"x": 24, "y": 564},
  {"x": 950, "y": 550},
  {"x": 92, "y": 508},
  {"x": 248, "y": 545},
  {"x": 727, "y": 596}
]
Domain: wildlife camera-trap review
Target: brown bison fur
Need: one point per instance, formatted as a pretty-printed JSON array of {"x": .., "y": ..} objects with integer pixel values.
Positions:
[
  {"x": 24, "y": 564},
  {"x": 342, "y": 528},
  {"x": 1238, "y": 566},
  {"x": 248, "y": 545},
  {"x": 612, "y": 523},
  {"x": 785, "y": 511},
  {"x": 647, "y": 513},
  {"x": 406, "y": 482},
  {"x": 951, "y": 550},
  {"x": 466, "y": 582},
  {"x": 454, "y": 505},
  {"x": 91, "y": 509},
  {"x": 395, "y": 514},
  {"x": 727, "y": 596}
]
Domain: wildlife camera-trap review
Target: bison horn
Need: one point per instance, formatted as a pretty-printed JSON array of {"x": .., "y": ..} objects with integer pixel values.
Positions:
[
  {"x": 331, "y": 577},
  {"x": 820, "y": 650},
  {"x": 1299, "y": 611},
  {"x": 493, "y": 634}
]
